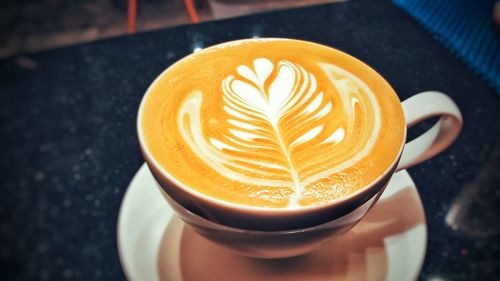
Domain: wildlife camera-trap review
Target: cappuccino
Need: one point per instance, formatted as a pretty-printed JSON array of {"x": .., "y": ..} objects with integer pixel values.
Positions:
[{"x": 272, "y": 123}]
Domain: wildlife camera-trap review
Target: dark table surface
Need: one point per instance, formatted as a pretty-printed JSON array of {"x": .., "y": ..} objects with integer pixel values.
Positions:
[{"x": 69, "y": 148}]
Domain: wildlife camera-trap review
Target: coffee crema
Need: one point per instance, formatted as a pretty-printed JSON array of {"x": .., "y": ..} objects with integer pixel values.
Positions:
[{"x": 274, "y": 123}]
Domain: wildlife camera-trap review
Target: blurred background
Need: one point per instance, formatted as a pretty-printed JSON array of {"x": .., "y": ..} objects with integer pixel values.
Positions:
[{"x": 34, "y": 25}]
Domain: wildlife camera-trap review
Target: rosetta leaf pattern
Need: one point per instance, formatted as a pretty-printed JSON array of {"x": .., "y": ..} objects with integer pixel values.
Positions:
[
  {"x": 258, "y": 100},
  {"x": 278, "y": 131}
]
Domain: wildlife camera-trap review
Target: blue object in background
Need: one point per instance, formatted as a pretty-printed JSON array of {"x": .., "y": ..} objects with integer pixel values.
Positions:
[{"x": 464, "y": 26}]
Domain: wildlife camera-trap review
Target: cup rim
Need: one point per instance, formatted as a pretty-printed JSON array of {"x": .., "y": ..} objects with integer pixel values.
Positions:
[
  {"x": 257, "y": 209},
  {"x": 197, "y": 220}
]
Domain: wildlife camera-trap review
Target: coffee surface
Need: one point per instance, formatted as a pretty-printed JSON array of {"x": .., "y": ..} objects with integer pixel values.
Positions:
[{"x": 272, "y": 123}]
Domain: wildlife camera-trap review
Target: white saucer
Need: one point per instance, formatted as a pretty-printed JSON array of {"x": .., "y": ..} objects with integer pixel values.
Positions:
[{"x": 388, "y": 244}]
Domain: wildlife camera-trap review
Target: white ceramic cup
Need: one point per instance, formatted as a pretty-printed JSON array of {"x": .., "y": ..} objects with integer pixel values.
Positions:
[{"x": 226, "y": 223}]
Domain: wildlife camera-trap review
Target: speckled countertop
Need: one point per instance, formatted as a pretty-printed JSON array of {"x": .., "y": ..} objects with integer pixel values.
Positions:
[{"x": 69, "y": 149}]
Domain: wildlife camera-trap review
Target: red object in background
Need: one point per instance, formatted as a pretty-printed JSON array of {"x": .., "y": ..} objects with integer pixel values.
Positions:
[
  {"x": 132, "y": 15},
  {"x": 193, "y": 15}
]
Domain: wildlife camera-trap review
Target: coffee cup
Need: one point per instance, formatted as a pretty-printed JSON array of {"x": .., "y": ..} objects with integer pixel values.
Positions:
[{"x": 228, "y": 198}]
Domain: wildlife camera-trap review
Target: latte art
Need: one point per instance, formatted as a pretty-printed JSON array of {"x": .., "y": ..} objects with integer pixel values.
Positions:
[
  {"x": 272, "y": 123},
  {"x": 280, "y": 129}
]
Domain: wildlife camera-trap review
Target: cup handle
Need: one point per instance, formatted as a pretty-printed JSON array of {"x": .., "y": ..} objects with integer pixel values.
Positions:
[{"x": 423, "y": 106}]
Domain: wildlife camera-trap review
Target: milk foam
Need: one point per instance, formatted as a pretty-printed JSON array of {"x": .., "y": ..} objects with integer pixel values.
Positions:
[{"x": 279, "y": 129}]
